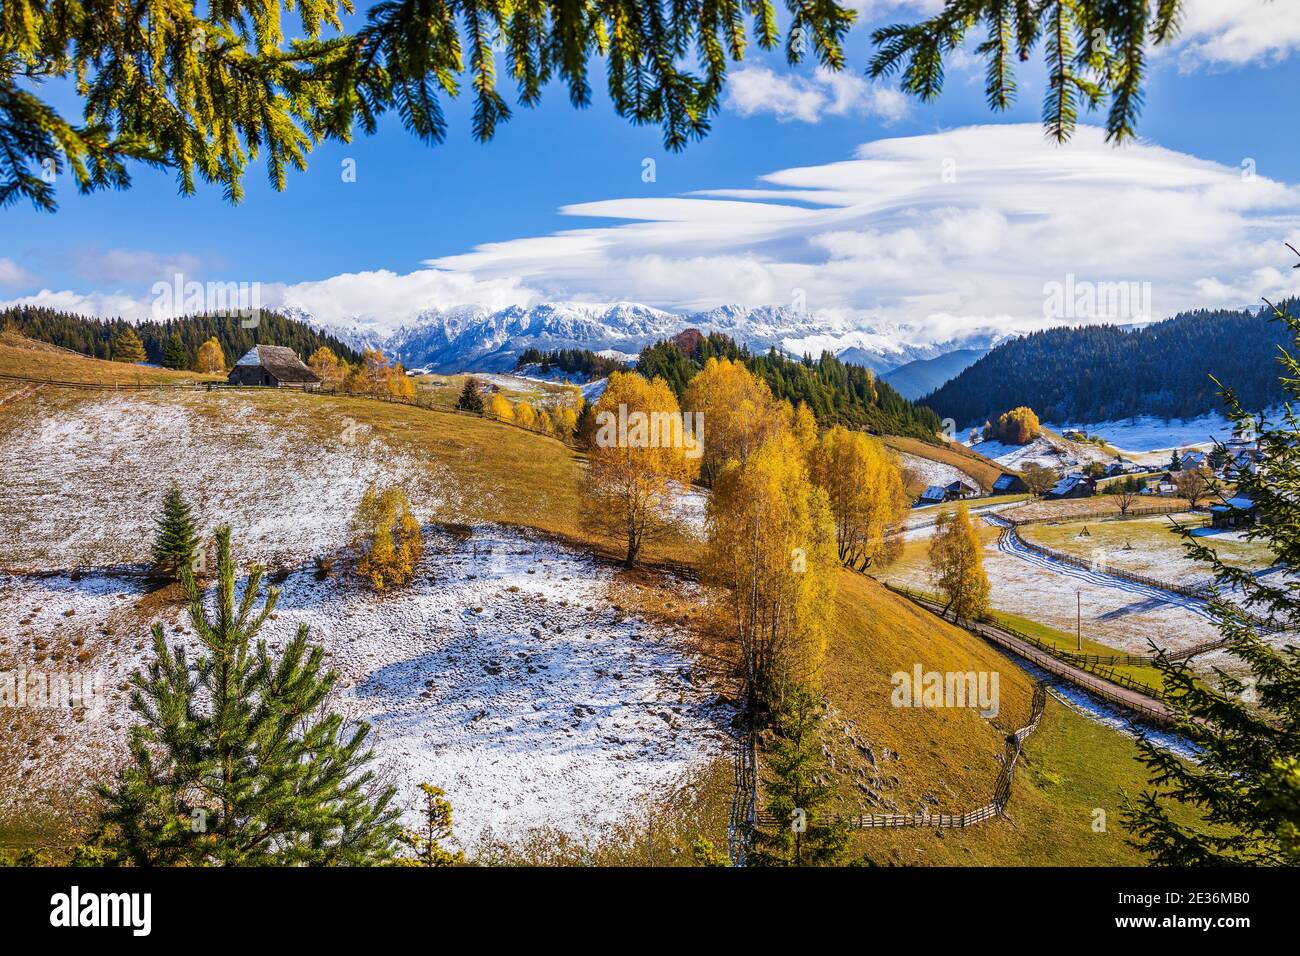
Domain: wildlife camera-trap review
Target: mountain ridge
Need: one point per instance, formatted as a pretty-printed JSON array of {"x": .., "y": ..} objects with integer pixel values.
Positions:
[{"x": 475, "y": 338}]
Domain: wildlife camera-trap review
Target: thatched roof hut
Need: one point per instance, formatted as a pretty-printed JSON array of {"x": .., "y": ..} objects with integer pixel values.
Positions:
[{"x": 274, "y": 366}]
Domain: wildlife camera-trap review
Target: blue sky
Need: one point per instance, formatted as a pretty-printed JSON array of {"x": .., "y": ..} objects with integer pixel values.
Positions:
[{"x": 1208, "y": 100}]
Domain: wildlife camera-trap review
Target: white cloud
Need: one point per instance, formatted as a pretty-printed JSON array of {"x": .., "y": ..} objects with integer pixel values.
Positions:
[
  {"x": 1237, "y": 32},
  {"x": 128, "y": 266},
  {"x": 11, "y": 273},
  {"x": 754, "y": 90},
  {"x": 942, "y": 233}
]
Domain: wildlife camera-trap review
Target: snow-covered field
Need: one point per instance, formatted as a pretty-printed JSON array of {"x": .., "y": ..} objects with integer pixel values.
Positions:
[
  {"x": 1147, "y": 434},
  {"x": 1041, "y": 451},
  {"x": 505, "y": 673},
  {"x": 934, "y": 472},
  {"x": 1112, "y": 611},
  {"x": 82, "y": 488}
]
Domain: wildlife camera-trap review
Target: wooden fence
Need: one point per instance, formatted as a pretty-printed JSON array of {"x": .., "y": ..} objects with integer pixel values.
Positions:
[
  {"x": 1095, "y": 678},
  {"x": 1015, "y": 744},
  {"x": 744, "y": 801},
  {"x": 1200, "y": 593},
  {"x": 1145, "y": 511}
]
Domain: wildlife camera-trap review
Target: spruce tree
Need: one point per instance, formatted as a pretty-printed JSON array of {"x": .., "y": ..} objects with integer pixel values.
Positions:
[
  {"x": 174, "y": 354},
  {"x": 802, "y": 832},
  {"x": 1244, "y": 788},
  {"x": 234, "y": 761},
  {"x": 470, "y": 399},
  {"x": 177, "y": 544},
  {"x": 259, "y": 87},
  {"x": 127, "y": 346}
]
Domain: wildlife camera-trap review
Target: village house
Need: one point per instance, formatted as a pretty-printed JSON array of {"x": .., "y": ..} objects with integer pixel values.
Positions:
[
  {"x": 960, "y": 489},
  {"x": 1072, "y": 486},
  {"x": 273, "y": 366},
  {"x": 1009, "y": 484},
  {"x": 1236, "y": 512},
  {"x": 933, "y": 495}
]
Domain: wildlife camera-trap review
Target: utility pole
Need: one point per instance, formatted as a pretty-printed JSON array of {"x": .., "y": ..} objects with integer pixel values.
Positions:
[{"x": 1078, "y": 622}]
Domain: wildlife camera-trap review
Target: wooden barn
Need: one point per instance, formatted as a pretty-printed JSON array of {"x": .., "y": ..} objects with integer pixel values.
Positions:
[
  {"x": 1072, "y": 486},
  {"x": 1238, "y": 512},
  {"x": 273, "y": 366},
  {"x": 1009, "y": 484},
  {"x": 959, "y": 490}
]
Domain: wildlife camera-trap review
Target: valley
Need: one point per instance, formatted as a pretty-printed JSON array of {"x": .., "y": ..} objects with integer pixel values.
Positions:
[{"x": 556, "y": 698}]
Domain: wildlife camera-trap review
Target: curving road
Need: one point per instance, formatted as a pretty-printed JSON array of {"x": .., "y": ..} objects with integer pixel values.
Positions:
[{"x": 1010, "y": 543}]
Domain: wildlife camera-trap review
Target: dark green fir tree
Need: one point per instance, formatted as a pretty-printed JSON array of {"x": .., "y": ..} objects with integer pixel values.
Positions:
[
  {"x": 177, "y": 544},
  {"x": 235, "y": 761},
  {"x": 802, "y": 831},
  {"x": 1239, "y": 802},
  {"x": 174, "y": 354},
  {"x": 471, "y": 400}
]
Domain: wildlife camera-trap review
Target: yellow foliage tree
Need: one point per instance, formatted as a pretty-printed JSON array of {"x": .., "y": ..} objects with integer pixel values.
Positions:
[
  {"x": 739, "y": 413},
  {"x": 380, "y": 377},
  {"x": 329, "y": 368},
  {"x": 772, "y": 547},
  {"x": 957, "y": 565},
  {"x": 387, "y": 537},
  {"x": 805, "y": 427},
  {"x": 1019, "y": 426},
  {"x": 864, "y": 485},
  {"x": 499, "y": 408},
  {"x": 564, "y": 420},
  {"x": 633, "y": 474},
  {"x": 526, "y": 415},
  {"x": 210, "y": 360}
]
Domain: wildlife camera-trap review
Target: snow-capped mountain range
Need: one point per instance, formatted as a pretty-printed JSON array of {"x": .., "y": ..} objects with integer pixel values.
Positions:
[{"x": 474, "y": 338}]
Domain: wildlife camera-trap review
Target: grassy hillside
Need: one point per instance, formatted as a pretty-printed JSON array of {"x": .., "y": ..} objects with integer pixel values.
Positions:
[
  {"x": 471, "y": 470},
  {"x": 31, "y": 359},
  {"x": 958, "y": 456},
  {"x": 1071, "y": 767}
]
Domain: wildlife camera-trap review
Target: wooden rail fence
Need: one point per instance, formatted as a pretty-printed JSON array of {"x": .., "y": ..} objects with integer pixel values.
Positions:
[
  {"x": 1015, "y": 744},
  {"x": 998, "y": 633},
  {"x": 1199, "y": 593}
]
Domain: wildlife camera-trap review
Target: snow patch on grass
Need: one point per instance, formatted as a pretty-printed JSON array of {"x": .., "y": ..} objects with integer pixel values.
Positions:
[
  {"x": 932, "y": 472},
  {"x": 289, "y": 484},
  {"x": 500, "y": 674}
]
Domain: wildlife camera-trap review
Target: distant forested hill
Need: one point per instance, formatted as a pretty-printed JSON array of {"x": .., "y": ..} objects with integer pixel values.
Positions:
[
  {"x": 1101, "y": 373},
  {"x": 923, "y": 376},
  {"x": 92, "y": 336},
  {"x": 837, "y": 393}
]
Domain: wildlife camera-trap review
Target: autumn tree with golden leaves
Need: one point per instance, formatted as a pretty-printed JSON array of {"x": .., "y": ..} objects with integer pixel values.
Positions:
[
  {"x": 864, "y": 486},
  {"x": 957, "y": 565},
  {"x": 637, "y": 464},
  {"x": 210, "y": 360},
  {"x": 329, "y": 368},
  {"x": 739, "y": 412},
  {"x": 499, "y": 407},
  {"x": 387, "y": 537},
  {"x": 772, "y": 548}
]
